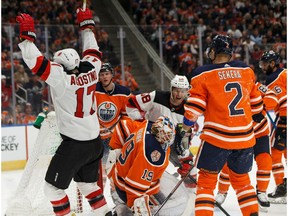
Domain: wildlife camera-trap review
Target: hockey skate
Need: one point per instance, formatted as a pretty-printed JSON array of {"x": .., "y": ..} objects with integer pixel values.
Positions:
[
  {"x": 280, "y": 194},
  {"x": 263, "y": 201},
  {"x": 220, "y": 198}
]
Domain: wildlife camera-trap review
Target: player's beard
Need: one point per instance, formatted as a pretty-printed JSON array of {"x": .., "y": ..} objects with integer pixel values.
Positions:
[{"x": 269, "y": 70}]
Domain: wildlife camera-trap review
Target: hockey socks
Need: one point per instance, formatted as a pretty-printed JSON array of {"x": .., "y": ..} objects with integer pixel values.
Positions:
[{"x": 61, "y": 207}]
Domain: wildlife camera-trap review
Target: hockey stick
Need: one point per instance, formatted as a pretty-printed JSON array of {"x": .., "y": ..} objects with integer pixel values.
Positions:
[
  {"x": 84, "y": 5},
  {"x": 195, "y": 182},
  {"x": 173, "y": 190},
  {"x": 216, "y": 203},
  {"x": 271, "y": 120}
]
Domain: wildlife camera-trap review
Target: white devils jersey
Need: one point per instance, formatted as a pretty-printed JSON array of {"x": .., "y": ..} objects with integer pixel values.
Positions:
[
  {"x": 72, "y": 95},
  {"x": 155, "y": 103}
]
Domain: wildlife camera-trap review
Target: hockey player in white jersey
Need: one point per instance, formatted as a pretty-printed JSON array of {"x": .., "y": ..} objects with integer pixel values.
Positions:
[
  {"x": 72, "y": 82},
  {"x": 170, "y": 103}
]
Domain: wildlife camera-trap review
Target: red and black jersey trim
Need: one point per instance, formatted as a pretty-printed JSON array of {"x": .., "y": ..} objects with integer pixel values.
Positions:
[
  {"x": 42, "y": 67},
  {"x": 93, "y": 52}
]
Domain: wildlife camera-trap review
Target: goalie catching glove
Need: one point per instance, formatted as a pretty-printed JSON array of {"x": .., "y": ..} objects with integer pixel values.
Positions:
[
  {"x": 111, "y": 161},
  {"x": 85, "y": 19},
  {"x": 27, "y": 29}
]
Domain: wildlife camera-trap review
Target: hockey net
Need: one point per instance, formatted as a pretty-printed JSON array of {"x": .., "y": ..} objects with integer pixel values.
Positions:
[{"x": 29, "y": 198}]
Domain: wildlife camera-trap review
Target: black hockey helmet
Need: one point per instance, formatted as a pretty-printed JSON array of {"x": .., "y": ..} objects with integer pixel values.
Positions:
[
  {"x": 269, "y": 56},
  {"x": 221, "y": 44},
  {"x": 107, "y": 67}
]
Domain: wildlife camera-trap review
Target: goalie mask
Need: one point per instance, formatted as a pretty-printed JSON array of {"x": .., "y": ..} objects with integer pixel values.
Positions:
[
  {"x": 164, "y": 131},
  {"x": 68, "y": 58}
]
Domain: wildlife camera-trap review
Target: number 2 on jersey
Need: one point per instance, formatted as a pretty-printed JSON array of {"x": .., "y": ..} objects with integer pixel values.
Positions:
[
  {"x": 79, "y": 96},
  {"x": 232, "y": 106}
]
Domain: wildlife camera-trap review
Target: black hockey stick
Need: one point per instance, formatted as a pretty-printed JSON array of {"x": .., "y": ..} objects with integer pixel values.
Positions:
[
  {"x": 195, "y": 182},
  {"x": 173, "y": 191}
]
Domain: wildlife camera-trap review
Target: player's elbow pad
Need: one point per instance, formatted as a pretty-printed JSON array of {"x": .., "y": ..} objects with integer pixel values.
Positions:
[{"x": 258, "y": 117}]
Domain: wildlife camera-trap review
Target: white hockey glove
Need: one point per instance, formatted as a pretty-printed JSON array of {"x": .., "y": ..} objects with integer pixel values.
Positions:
[
  {"x": 111, "y": 161},
  {"x": 141, "y": 206}
]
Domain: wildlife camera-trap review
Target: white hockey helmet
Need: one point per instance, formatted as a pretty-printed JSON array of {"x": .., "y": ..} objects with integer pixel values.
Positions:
[
  {"x": 69, "y": 58},
  {"x": 179, "y": 82},
  {"x": 164, "y": 131}
]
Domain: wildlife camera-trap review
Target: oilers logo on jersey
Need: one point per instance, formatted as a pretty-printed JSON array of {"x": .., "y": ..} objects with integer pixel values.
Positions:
[
  {"x": 155, "y": 155},
  {"x": 107, "y": 111}
]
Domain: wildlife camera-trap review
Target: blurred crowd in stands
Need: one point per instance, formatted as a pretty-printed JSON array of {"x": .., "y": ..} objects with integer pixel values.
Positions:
[{"x": 255, "y": 26}]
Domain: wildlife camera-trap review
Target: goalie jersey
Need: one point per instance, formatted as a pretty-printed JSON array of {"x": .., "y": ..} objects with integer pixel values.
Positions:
[
  {"x": 229, "y": 88},
  {"x": 111, "y": 107},
  {"x": 75, "y": 113},
  {"x": 141, "y": 163}
]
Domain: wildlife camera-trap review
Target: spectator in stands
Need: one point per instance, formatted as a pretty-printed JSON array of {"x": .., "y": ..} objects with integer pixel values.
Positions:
[
  {"x": 20, "y": 76},
  {"x": 28, "y": 117},
  {"x": 6, "y": 94},
  {"x": 34, "y": 88}
]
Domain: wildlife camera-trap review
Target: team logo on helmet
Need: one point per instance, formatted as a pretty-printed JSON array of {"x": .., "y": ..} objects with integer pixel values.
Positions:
[
  {"x": 155, "y": 155},
  {"x": 107, "y": 111}
]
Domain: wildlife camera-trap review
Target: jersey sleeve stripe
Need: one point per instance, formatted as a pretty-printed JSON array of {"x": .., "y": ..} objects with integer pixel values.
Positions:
[
  {"x": 197, "y": 106},
  {"x": 131, "y": 182},
  {"x": 229, "y": 133},
  {"x": 229, "y": 140},
  {"x": 93, "y": 52},
  {"x": 193, "y": 111},
  {"x": 42, "y": 68},
  {"x": 190, "y": 100},
  {"x": 229, "y": 128}
]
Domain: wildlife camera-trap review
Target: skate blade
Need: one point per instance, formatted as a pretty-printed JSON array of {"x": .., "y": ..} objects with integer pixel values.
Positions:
[{"x": 279, "y": 200}]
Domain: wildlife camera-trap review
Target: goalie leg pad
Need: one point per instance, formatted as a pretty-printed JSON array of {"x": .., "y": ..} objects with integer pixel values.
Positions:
[
  {"x": 141, "y": 206},
  {"x": 58, "y": 199}
]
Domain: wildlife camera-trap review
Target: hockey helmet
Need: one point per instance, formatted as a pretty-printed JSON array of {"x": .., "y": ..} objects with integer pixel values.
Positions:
[
  {"x": 221, "y": 44},
  {"x": 107, "y": 67},
  {"x": 179, "y": 82},
  {"x": 68, "y": 58},
  {"x": 164, "y": 131},
  {"x": 269, "y": 56}
]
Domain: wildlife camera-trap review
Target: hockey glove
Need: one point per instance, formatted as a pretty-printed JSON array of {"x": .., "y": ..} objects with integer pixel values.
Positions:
[
  {"x": 85, "y": 19},
  {"x": 27, "y": 29},
  {"x": 182, "y": 139},
  {"x": 111, "y": 161},
  {"x": 281, "y": 135},
  {"x": 186, "y": 165}
]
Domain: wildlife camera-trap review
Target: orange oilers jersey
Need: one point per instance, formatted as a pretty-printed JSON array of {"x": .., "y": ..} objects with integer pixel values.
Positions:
[
  {"x": 111, "y": 107},
  {"x": 227, "y": 96},
  {"x": 277, "y": 81},
  {"x": 271, "y": 103},
  {"x": 122, "y": 131},
  {"x": 140, "y": 165}
]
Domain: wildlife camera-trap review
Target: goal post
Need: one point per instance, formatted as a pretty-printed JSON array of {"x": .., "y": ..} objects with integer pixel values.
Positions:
[{"x": 29, "y": 199}]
